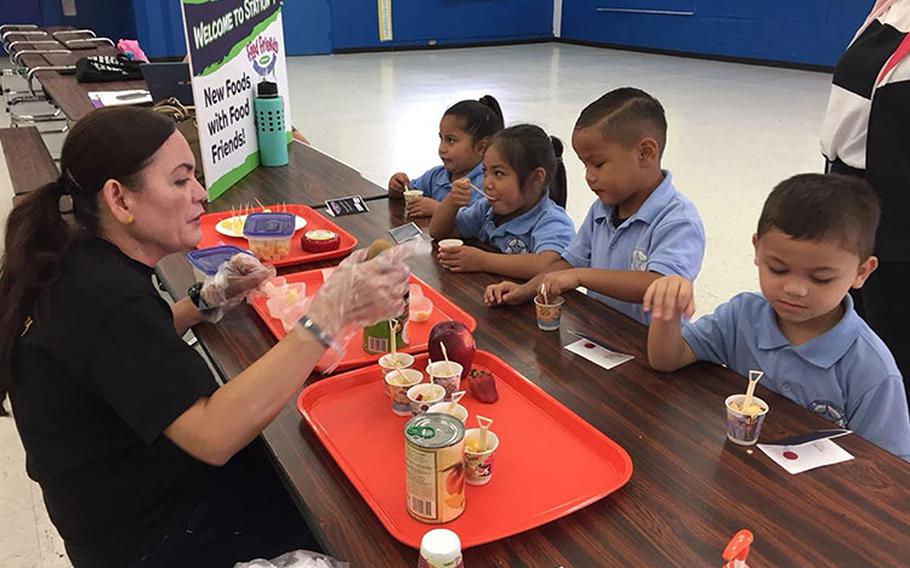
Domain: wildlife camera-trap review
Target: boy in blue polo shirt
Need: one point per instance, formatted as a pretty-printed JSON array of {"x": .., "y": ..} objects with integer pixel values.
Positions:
[
  {"x": 814, "y": 242},
  {"x": 519, "y": 217},
  {"x": 639, "y": 229}
]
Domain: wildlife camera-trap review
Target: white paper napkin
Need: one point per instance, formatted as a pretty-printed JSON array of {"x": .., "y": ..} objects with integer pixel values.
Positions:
[
  {"x": 597, "y": 354},
  {"x": 797, "y": 459}
]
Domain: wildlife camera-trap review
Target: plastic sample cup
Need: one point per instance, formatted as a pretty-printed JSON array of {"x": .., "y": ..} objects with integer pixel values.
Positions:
[
  {"x": 548, "y": 314},
  {"x": 478, "y": 462},
  {"x": 396, "y": 388},
  {"x": 422, "y": 396},
  {"x": 447, "y": 375},
  {"x": 412, "y": 195},
  {"x": 744, "y": 427}
]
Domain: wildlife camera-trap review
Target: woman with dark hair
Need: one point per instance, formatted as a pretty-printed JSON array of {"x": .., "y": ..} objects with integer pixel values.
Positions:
[
  {"x": 122, "y": 422},
  {"x": 866, "y": 133}
]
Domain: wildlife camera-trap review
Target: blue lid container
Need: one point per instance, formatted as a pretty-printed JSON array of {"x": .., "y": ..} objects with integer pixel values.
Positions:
[
  {"x": 269, "y": 225},
  {"x": 208, "y": 260}
]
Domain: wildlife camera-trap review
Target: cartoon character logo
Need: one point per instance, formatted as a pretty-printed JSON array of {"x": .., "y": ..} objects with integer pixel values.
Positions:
[
  {"x": 639, "y": 260},
  {"x": 516, "y": 246},
  {"x": 827, "y": 410},
  {"x": 263, "y": 55}
]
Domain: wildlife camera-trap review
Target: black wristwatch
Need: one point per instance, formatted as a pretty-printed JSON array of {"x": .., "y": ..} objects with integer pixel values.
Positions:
[{"x": 195, "y": 296}]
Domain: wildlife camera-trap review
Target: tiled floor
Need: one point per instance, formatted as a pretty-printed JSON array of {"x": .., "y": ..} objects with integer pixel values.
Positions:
[{"x": 735, "y": 131}]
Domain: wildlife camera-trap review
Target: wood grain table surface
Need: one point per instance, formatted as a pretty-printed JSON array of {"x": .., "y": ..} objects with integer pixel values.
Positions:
[{"x": 691, "y": 490}]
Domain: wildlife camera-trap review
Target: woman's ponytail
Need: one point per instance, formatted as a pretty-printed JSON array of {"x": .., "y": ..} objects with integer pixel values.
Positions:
[{"x": 36, "y": 237}]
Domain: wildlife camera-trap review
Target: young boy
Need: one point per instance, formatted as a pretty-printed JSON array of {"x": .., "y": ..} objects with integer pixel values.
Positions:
[
  {"x": 814, "y": 243},
  {"x": 639, "y": 229}
]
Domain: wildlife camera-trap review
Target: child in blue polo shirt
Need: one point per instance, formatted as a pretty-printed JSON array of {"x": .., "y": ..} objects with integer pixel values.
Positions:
[
  {"x": 814, "y": 242},
  {"x": 464, "y": 133},
  {"x": 639, "y": 229},
  {"x": 523, "y": 174}
]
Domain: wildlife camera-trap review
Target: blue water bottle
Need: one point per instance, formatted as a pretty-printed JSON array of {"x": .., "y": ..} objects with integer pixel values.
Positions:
[{"x": 270, "y": 131}]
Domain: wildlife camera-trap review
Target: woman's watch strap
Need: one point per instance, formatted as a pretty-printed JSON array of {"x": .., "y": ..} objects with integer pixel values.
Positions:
[
  {"x": 195, "y": 295},
  {"x": 321, "y": 336}
]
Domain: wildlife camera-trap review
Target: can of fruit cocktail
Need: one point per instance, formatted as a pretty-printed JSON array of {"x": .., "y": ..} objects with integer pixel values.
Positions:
[{"x": 434, "y": 462}]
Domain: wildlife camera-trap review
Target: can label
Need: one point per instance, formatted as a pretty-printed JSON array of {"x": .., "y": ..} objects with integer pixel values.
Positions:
[{"x": 434, "y": 459}]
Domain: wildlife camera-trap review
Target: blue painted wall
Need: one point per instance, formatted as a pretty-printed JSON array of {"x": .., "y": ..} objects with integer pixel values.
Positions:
[
  {"x": 307, "y": 26},
  {"x": 355, "y": 23},
  {"x": 108, "y": 18},
  {"x": 811, "y": 32}
]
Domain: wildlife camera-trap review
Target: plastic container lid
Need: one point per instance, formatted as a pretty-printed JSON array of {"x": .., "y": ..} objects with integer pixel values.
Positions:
[
  {"x": 208, "y": 260},
  {"x": 269, "y": 225}
]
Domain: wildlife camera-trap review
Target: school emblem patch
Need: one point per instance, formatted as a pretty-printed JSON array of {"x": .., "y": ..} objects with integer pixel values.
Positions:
[
  {"x": 516, "y": 246},
  {"x": 639, "y": 260},
  {"x": 827, "y": 410}
]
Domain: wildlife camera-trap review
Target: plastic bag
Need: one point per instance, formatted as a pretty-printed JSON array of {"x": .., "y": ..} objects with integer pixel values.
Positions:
[{"x": 295, "y": 559}]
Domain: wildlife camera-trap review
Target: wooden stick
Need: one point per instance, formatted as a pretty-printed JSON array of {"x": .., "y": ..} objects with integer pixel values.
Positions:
[
  {"x": 484, "y": 424},
  {"x": 402, "y": 375},
  {"x": 754, "y": 377},
  {"x": 260, "y": 203},
  {"x": 543, "y": 291},
  {"x": 393, "y": 340},
  {"x": 446, "y": 357},
  {"x": 477, "y": 189}
]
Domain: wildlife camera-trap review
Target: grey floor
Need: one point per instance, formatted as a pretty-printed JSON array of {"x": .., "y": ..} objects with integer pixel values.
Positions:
[{"x": 735, "y": 131}]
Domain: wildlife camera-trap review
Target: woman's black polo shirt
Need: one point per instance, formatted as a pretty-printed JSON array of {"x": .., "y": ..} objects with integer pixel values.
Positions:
[{"x": 97, "y": 378}]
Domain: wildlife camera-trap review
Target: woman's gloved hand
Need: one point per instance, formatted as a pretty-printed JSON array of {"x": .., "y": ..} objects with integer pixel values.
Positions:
[
  {"x": 361, "y": 292},
  {"x": 233, "y": 282}
]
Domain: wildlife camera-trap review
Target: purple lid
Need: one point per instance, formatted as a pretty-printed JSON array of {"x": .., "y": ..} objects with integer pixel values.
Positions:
[
  {"x": 269, "y": 225},
  {"x": 208, "y": 260}
]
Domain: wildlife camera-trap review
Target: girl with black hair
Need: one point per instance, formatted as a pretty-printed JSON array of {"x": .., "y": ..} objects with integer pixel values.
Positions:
[
  {"x": 464, "y": 132},
  {"x": 523, "y": 215}
]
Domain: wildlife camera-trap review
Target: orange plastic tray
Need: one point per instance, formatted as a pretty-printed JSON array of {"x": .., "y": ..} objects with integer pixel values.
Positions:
[
  {"x": 355, "y": 356},
  {"x": 549, "y": 464},
  {"x": 211, "y": 237}
]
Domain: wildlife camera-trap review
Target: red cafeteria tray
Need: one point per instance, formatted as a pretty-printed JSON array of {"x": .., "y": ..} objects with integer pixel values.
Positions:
[
  {"x": 550, "y": 463},
  {"x": 418, "y": 332},
  {"x": 211, "y": 237}
]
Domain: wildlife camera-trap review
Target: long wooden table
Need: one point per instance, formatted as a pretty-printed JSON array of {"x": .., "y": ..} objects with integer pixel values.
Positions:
[{"x": 690, "y": 490}]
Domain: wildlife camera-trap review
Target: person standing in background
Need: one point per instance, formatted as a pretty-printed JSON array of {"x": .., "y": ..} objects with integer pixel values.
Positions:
[{"x": 866, "y": 133}]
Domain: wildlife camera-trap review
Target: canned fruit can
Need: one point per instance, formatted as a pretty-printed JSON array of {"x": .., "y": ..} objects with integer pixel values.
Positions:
[{"x": 434, "y": 461}]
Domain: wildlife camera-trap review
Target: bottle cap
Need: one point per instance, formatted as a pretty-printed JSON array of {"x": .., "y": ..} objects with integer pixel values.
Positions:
[{"x": 267, "y": 90}]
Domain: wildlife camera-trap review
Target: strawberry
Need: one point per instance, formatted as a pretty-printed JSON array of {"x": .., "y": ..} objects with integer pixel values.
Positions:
[{"x": 483, "y": 386}]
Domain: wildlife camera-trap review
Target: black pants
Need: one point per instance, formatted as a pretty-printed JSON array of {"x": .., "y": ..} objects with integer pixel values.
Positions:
[
  {"x": 883, "y": 303},
  {"x": 880, "y": 301},
  {"x": 246, "y": 514}
]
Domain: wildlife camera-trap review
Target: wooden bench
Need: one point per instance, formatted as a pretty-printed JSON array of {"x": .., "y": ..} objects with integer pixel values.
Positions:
[{"x": 29, "y": 163}]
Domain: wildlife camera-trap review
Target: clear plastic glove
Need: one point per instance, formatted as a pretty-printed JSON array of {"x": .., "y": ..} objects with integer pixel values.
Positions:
[
  {"x": 360, "y": 293},
  {"x": 233, "y": 282}
]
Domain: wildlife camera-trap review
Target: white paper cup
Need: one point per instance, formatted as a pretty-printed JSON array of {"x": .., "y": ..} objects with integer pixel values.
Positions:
[
  {"x": 478, "y": 466},
  {"x": 459, "y": 412},
  {"x": 397, "y": 390},
  {"x": 448, "y": 375},
  {"x": 430, "y": 395},
  {"x": 388, "y": 363},
  {"x": 449, "y": 244},
  {"x": 743, "y": 428}
]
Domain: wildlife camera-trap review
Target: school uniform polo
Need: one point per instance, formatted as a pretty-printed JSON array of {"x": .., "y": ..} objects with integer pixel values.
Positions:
[
  {"x": 435, "y": 182},
  {"x": 665, "y": 236},
  {"x": 544, "y": 227},
  {"x": 97, "y": 377},
  {"x": 846, "y": 375}
]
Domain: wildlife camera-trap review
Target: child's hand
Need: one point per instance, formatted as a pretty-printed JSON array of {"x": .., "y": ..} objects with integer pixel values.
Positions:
[
  {"x": 507, "y": 292},
  {"x": 669, "y": 297},
  {"x": 423, "y": 207},
  {"x": 462, "y": 259},
  {"x": 555, "y": 283},
  {"x": 398, "y": 183},
  {"x": 460, "y": 196}
]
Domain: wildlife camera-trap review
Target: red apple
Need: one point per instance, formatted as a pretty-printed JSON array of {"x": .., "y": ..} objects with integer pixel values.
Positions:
[{"x": 459, "y": 344}]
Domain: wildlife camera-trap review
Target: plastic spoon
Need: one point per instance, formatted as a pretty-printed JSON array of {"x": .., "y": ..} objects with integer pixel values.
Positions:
[
  {"x": 456, "y": 396},
  {"x": 754, "y": 377},
  {"x": 484, "y": 424}
]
